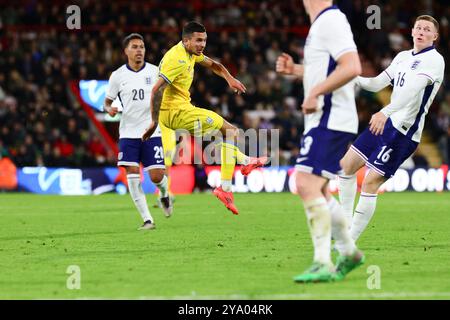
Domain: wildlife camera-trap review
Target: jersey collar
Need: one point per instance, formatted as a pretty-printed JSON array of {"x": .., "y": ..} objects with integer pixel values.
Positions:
[
  {"x": 184, "y": 48},
  {"x": 423, "y": 50},
  {"x": 324, "y": 10},
  {"x": 131, "y": 69}
]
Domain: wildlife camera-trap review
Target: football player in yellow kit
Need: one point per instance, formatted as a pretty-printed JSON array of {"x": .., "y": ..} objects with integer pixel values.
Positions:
[{"x": 171, "y": 105}]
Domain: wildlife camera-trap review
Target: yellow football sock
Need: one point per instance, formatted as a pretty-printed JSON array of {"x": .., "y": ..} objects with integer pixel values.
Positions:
[{"x": 228, "y": 160}]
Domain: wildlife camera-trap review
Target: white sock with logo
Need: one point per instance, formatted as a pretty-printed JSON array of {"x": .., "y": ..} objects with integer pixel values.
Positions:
[
  {"x": 363, "y": 213},
  {"x": 138, "y": 196},
  {"x": 347, "y": 194},
  {"x": 340, "y": 229}
]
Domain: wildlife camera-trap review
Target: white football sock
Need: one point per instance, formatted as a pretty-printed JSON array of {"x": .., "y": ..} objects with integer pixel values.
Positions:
[
  {"x": 347, "y": 194},
  {"x": 319, "y": 223},
  {"x": 138, "y": 196},
  {"x": 363, "y": 213},
  {"x": 339, "y": 229},
  {"x": 162, "y": 186},
  {"x": 226, "y": 185}
]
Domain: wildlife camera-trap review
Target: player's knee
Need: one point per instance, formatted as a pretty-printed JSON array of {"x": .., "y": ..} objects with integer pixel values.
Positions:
[
  {"x": 303, "y": 187},
  {"x": 372, "y": 184},
  {"x": 156, "y": 175},
  {"x": 132, "y": 170},
  {"x": 347, "y": 166}
]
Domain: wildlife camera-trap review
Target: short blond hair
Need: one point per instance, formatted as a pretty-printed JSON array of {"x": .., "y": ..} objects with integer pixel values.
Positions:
[{"x": 430, "y": 19}]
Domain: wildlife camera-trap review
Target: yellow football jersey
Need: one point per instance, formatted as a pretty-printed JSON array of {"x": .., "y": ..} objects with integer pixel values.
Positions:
[{"x": 177, "y": 68}]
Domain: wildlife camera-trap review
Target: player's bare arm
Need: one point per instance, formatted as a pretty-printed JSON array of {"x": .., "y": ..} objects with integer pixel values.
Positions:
[
  {"x": 107, "y": 106},
  {"x": 374, "y": 84},
  {"x": 155, "y": 106},
  {"x": 221, "y": 71},
  {"x": 285, "y": 65},
  {"x": 348, "y": 67}
]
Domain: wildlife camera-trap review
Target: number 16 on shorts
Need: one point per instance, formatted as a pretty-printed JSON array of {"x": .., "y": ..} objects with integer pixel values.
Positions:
[{"x": 384, "y": 155}]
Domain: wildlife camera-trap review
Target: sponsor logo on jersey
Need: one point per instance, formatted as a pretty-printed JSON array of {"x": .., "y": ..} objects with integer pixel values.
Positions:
[
  {"x": 181, "y": 61},
  {"x": 209, "y": 120},
  {"x": 415, "y": 65}
]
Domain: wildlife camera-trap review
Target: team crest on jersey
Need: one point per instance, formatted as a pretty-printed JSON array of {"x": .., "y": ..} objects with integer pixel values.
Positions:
[
  {"x": 148, "y": 80},
  {"x": 415, "y": 64}
]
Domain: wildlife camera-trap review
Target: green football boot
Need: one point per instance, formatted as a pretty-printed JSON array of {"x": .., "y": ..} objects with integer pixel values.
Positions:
[
  {"x": 318, "y": 272},
  {"x": 345, "y": 264}
]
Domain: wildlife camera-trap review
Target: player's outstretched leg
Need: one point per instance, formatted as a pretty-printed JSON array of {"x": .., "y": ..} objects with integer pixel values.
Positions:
[
  {"x": 367, "y": 203},
  {"x": 226, "y": 198},
  {"x": 350, "y": 164},
  {"x": 254, "y": 163},
  {"x": 347, "y": 193},
  {"x": 231, "y": 155}
]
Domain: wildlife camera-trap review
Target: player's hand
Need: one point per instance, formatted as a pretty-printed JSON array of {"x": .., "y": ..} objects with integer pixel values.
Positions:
[
  {"x": 237, "y": 86},
  {"x": 377, "y": 122},
  {"x": 149, "y": 132},
  {"x": 309, "y": 104},
  {"x": 285, "y": 64},
  {"x": 112, "y": 111}
]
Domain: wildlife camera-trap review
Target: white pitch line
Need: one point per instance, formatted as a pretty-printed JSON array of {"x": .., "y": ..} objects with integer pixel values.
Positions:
[{"x": 294, "y": 296}]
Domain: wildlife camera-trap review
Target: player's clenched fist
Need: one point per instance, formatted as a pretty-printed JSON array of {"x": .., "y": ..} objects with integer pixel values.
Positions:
[{"x": 285, "y": 64}]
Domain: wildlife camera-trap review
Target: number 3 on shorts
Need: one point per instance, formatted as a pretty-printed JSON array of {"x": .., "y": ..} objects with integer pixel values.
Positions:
[{"x": 307, "y": 142}]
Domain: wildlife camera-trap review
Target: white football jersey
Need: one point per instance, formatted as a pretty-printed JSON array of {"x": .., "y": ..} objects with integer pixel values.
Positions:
[
  {"x": 329, "y": 37},
  {"x": 404, "y": 73},
  {"x": 133, "y": 88}
]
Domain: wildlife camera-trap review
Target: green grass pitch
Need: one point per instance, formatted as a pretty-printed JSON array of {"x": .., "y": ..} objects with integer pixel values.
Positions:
[{"x": 204, "y": 252}]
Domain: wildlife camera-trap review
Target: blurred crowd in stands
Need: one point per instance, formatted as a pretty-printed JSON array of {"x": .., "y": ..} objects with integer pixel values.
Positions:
[{"x": 42, "y": 124}]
